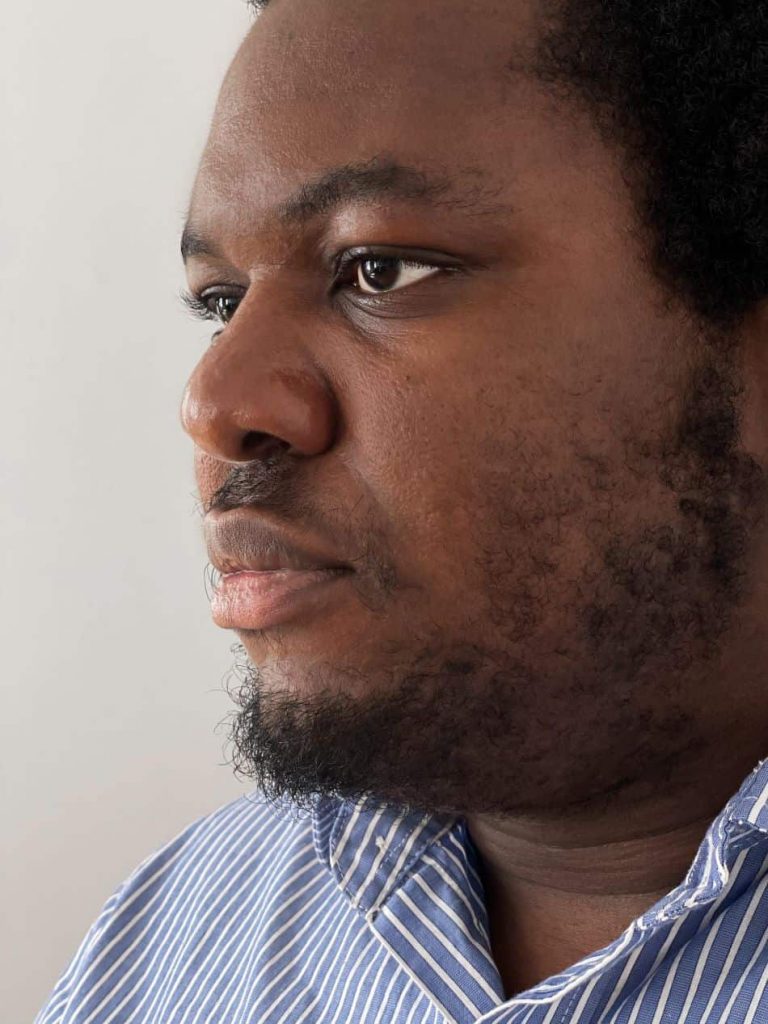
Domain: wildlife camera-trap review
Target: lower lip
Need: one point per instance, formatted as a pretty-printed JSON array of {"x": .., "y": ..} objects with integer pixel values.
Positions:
[{"x": 257, "y": 600}]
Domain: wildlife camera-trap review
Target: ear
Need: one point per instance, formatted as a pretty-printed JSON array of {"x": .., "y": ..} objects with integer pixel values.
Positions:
[{"x": 754, "y": 424}]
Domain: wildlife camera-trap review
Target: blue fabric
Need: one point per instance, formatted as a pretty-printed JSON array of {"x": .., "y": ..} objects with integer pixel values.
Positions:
[{"x": 354, "y": 914}]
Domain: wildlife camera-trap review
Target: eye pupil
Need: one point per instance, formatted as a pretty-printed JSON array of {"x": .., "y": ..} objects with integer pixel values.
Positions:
[
  {"x": 225, "y": 306},
  {"x": 380, "y": 272}
]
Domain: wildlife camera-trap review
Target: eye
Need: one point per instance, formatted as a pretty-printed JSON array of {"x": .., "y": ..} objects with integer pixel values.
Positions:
[
  {"x": 223, "y": 307},
  {"x": 374, "y": 274},
  {"x": 212, "y": 305},
  {"x": 388, "y": 273}
]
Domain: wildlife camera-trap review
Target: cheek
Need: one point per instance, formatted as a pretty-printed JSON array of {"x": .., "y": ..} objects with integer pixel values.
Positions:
[
  {"x": 488, "y": 494},
  {"x": 410, "y": 447},
  {"x": 456, "y": 476},
  {"x": 496, "y": 453}
]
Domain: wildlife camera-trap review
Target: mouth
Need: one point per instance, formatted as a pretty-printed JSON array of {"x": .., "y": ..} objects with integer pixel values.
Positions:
[{"x": 251, "y": 599}]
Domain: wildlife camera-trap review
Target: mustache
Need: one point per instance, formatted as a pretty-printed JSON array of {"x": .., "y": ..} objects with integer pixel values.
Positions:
[
  {"x": 275, "y": 485},
  {"x": 269, "y": 484}
]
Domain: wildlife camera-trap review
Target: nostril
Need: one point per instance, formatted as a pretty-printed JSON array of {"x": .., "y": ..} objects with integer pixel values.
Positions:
[{"x": 257, "y": 444}]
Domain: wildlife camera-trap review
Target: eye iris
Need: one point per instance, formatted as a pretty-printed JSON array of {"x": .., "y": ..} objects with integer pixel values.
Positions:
[
  {"x": 225, "y": 306},
  {"x": 380, "y": 272}
]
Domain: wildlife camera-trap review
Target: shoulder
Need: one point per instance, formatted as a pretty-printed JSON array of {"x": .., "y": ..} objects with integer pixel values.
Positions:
[
  {"x": 250, "y": 824},
  {"x": 250, "y": 845}
]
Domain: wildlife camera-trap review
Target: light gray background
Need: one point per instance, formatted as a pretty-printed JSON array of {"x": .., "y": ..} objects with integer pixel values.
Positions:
[{"x": 112, "y": 672}]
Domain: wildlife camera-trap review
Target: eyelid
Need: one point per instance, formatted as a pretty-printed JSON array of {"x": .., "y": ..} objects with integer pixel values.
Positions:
[
  {"x": 197, "y": 301},
  {"x": 353, "y": 257},
  {"x": 195, "y": 305},
  {"x": 417, "y": 257}
]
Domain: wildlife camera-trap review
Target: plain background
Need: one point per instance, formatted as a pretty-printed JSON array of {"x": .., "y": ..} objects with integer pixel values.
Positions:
[{"x": 112, "y": 673}]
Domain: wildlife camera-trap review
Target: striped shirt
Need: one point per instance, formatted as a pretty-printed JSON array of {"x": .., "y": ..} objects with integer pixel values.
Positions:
[{"x": 354, "y": 913}]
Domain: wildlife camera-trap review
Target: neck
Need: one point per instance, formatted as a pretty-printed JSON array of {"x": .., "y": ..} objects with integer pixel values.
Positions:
[{"x": 563, "y": 884}]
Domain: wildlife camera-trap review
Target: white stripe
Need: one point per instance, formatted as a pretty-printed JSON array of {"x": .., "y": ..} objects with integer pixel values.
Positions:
[
  {"x": 451, "y": 883},
  {"x": 734, "y": 874},
  {"x": 246, "y": 986},
  {"x": 408, "y": 986},
  {"x": 599, "y": 961},
  {"x": 417, "y": 1006},
  {"x": 397, "y": 867},
  {"x": 463, "y": 857},
  {"x": 735, "y": 946},
  {"x": 657, "y": 961},
  {"x": 337, "y": 940},
  {"x": 273, "y": 936},
  {"x": 356, "y": 991},
  {"x": 362, "y": 1015},
  {"x": 580, "y": 1006},
  {"x": 442, "y": 939},
  {"x": 758, "y": 805},
  {"x": 246, "y": 924},
  {"x": 184, "y": 901},
  {"x": 703, "y": 956},
  {"x": 209, "y": 874},
  {"x": 352, "y": 973},
  {"x": 556, "y": 1006},
  {"x": 363, "y": 845},
  {"x": 338, "y": 850},
  {"x": 137, "y": 941},
  {"x": 428, "y": 958},
  {"x": 619, "y": 986},
  {"x": 134, "y": 896},
  {"x": 247, "y": 939},
  {"x": 726, "y": 1014},
  {"x": 395, "y": 974},
  {"x": 380, "y": 854},
  {"x": 755, "y": 1001}
]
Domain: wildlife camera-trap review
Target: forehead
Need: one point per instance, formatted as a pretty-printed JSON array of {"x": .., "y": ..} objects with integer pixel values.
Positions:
[{"x": 318, "y": 84}]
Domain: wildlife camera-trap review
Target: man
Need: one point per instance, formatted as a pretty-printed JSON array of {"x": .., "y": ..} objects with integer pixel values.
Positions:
[{"x": 482, "y": 445}]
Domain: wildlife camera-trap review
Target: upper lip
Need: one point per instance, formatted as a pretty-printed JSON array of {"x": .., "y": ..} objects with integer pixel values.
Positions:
[{"x": 238, "y": 541}]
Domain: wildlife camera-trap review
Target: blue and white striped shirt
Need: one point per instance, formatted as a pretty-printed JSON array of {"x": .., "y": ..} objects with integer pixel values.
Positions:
[{"x": 354, "y": 914}]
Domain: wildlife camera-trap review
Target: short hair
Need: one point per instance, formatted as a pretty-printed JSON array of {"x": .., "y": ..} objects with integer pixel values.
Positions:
[{"x": 682, "y": 87}]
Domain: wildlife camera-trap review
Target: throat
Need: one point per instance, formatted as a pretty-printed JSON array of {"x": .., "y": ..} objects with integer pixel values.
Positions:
[
  {"x": 540, "y": 933},
  {"x": 550, "y": 906}
]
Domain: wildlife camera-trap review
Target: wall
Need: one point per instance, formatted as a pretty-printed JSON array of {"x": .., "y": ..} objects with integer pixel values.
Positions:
[{"x": 112, "y": 673}]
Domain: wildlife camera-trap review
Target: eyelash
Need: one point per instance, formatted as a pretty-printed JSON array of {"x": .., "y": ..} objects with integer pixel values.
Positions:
[{"x": 197, "y": 304}]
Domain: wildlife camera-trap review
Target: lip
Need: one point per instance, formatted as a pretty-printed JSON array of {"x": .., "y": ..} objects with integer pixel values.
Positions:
[
  {"x": 240, "y": 540},
  {"x": 258, "y": 600}
]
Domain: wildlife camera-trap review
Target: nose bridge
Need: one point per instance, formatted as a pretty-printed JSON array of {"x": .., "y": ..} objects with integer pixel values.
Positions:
[{"x": 257, "y": 383}]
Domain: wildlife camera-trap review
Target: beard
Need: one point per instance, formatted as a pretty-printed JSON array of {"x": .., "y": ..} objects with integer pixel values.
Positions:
[{"x": 496, "y": 721}]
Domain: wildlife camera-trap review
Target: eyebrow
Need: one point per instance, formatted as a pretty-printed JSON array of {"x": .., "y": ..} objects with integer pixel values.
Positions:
[{"x": 377, "y": 179}]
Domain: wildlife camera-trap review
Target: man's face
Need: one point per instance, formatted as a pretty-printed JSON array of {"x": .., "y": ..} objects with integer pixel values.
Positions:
[{"x": 504, "y": 435}]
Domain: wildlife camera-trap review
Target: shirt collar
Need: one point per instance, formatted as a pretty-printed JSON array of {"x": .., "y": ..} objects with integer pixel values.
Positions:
[{"x": 371, "y": 847}]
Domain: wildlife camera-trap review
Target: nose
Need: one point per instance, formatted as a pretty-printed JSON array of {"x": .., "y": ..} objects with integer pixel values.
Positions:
[{"x": 256, "y": 386}]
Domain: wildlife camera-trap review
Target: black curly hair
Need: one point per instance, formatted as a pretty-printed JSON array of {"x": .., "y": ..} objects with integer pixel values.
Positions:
[{"x": 682, "y": 87}]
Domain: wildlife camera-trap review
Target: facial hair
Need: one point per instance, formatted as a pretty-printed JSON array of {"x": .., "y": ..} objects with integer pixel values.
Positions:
[{"x": 472, "y": 725}]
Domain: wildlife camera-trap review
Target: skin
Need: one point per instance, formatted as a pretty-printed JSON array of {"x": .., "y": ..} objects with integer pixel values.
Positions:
[{"x": 502, "y": 451}]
